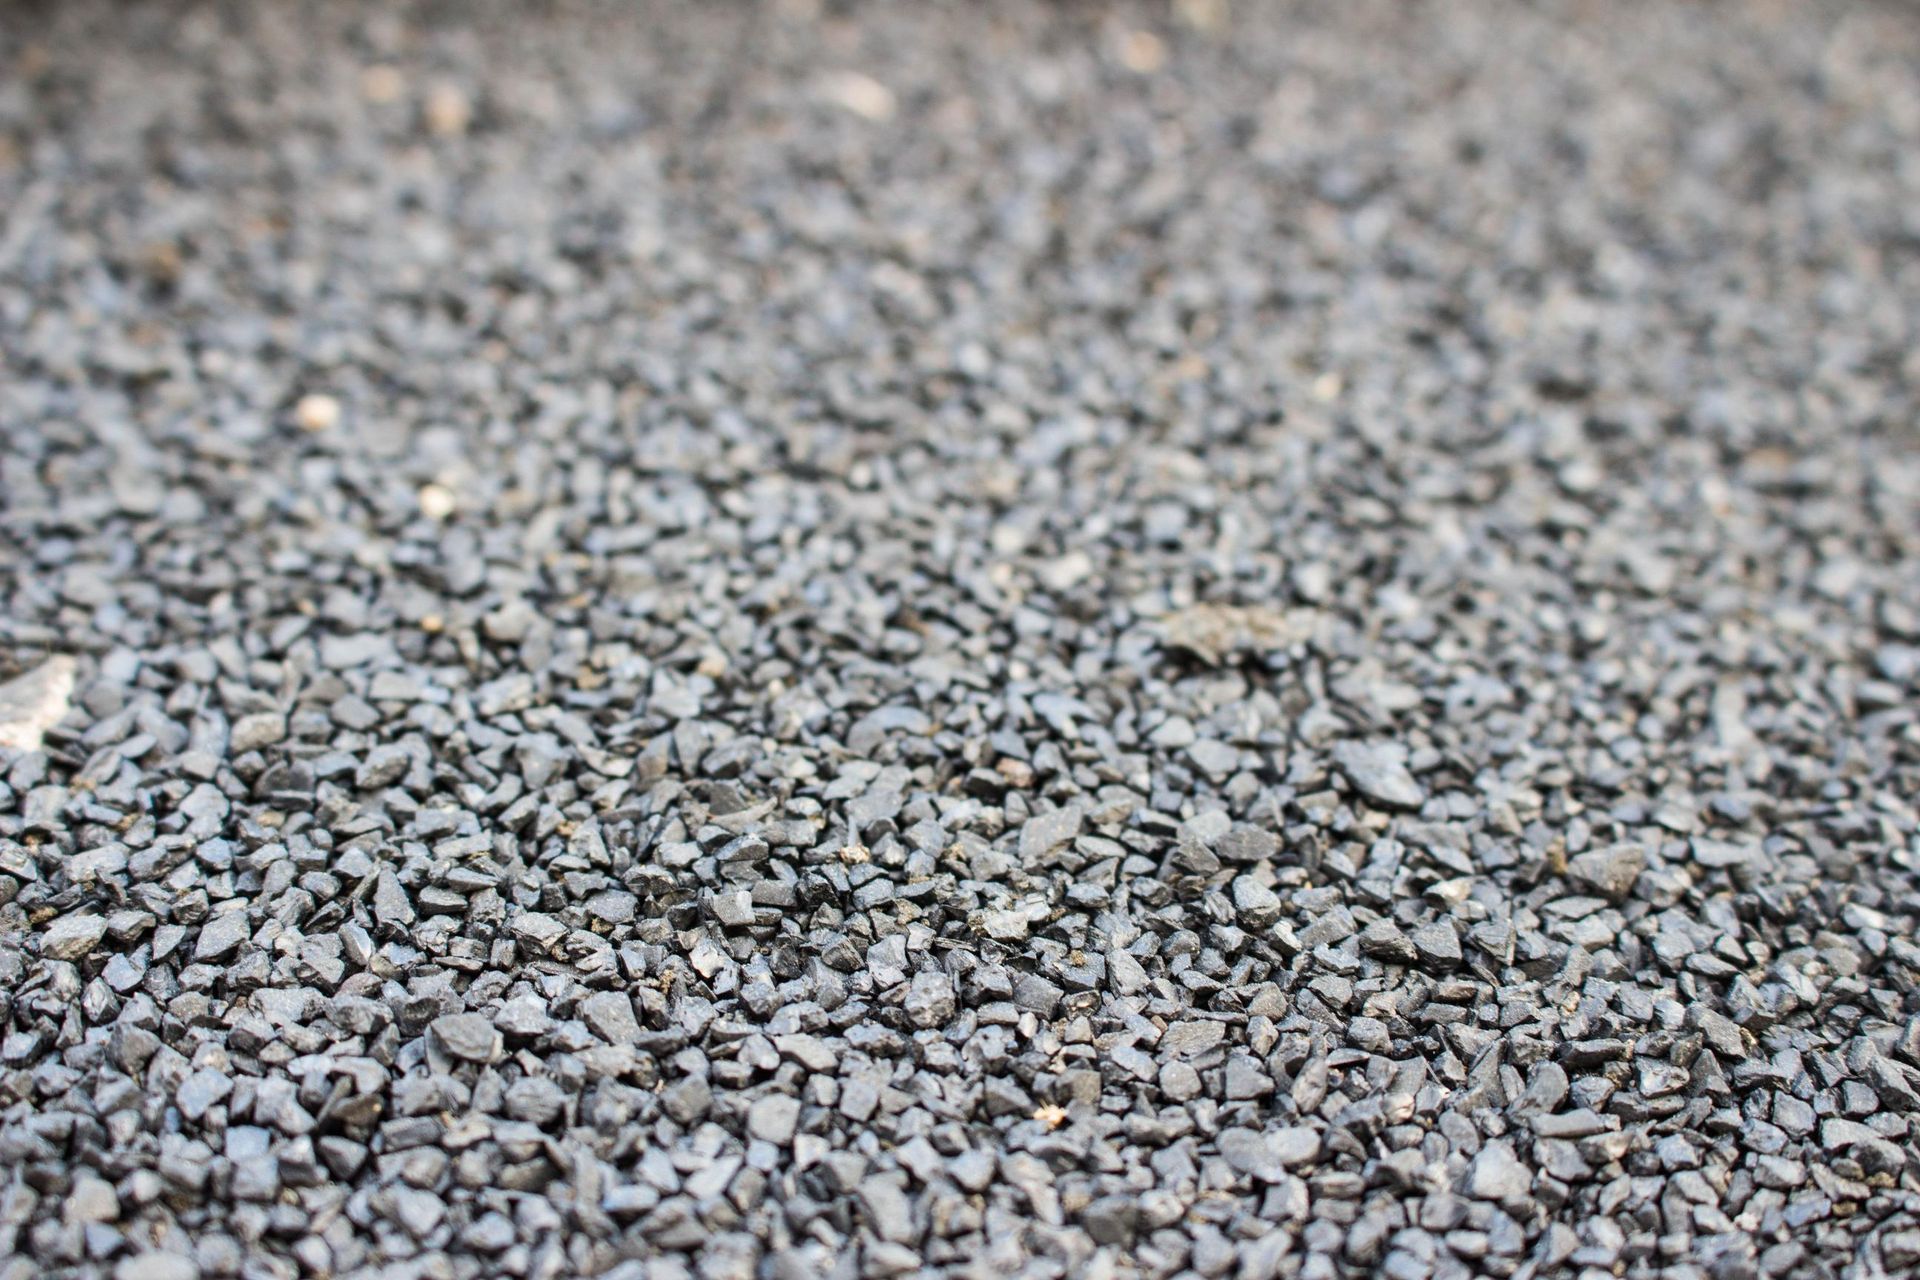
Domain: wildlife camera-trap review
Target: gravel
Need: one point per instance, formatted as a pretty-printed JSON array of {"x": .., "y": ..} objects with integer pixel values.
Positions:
[{"x": 834, "y": 639}]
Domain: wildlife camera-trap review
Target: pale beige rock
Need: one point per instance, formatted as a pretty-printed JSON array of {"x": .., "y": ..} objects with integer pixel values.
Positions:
[
  {"x": 32, "y": 703},
  {"x": 1216, "y": 632},
  {"x": 382, "y": 84},
  {"x": 437, "y": 501},
  {"x": 861, "y": 94},
  {"x": 447, "y": 111},
  {"x": 316, "y": 412}
]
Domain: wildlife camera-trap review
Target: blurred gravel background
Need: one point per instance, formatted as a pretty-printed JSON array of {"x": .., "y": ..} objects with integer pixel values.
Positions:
[{"x": 1003, "y": 640}]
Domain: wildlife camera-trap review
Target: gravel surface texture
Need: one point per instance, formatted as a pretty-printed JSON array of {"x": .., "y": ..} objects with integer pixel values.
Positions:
[{"x": 978, "y": 640}]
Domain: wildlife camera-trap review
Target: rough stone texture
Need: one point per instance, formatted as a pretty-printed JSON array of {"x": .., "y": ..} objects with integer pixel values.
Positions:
[{"x": 827, "y": 639}]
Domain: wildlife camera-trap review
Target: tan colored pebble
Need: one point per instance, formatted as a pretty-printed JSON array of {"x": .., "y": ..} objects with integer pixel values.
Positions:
[
  {"x": 436, "y": 501},
  {"x": 447, "y": 111},
  {"x": 317, "y": 412},
  {"x": 382, "y": 85},
  {"x": 1143, "y": 52}
]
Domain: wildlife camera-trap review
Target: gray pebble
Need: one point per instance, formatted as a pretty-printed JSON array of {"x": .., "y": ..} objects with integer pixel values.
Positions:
[
  {"x": 467, "y": 1035},
  {"x": 773, "y": 1117},
  {"x": 72, "y": 937}
]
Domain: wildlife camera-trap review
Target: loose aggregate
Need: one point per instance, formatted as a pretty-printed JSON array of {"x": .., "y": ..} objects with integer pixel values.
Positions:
[{"x": 978, "y": 640}]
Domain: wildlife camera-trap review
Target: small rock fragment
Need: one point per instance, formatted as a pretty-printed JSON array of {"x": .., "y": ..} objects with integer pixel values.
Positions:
[{"x": 1378, "y": 772}]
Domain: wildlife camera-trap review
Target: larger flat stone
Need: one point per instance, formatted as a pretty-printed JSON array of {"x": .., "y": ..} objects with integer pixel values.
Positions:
[
  {"x": 1379, "y": 772},
  {"x": 222, "y": 935},
  {"x": 467, "y": 1035},
  {"x": 773, "y": 1118},
  {"x": 609, "y": 1015},
  {"x": 1497, "y": 1174},
  {"x": 1048, "y": 831},
  {"x": 72, "y": 937},
  {"x": 1186, "y": 1039}
]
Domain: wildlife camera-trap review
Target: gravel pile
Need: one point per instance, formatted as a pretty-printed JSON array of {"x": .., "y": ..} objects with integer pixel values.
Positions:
[{"x": 1003, "y": 640}]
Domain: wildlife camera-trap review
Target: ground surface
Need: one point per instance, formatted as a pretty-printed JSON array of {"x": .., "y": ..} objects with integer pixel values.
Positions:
[{"x": 980, "y": 640}]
